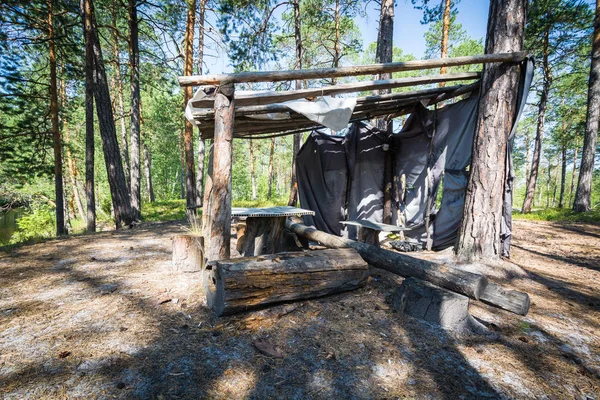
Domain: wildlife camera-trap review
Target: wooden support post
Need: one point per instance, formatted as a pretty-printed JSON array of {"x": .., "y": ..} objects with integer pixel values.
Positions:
[{"x": 219, "y": 208}]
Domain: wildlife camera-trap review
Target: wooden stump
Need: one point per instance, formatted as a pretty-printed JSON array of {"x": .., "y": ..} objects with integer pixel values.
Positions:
[
  {"x": 188, "y": 253},
  {"x": 368, "y": 236},
  {"x": 437, "y": 306},
  {"x": 248, "y": 283},
  {"x": 262, "y": 235}
]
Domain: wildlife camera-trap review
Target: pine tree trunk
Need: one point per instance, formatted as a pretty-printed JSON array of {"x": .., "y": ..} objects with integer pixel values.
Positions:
[
  {"x": 119, "y": 87},
  {"x": 270, "y": 173},
  {"x": 479, "y": 234},
  {"x": 572, "y": 188},
  {"x": 134, "y": 61},
  {"x": 297, "y": 141},
  {"x": 201, "y": 144},
  {"x": 188, "y": 133},
  {"x": 57, "y": 142},
  {"x": 90, "y": 196},
  {"x": 527, "y": 156},
  {"x": 112, "y": 157},
  {"x": 539, "y": 136},
  {"x": 148, "y": 172},
  {"x": 445, "y": 31},
  {"x": 563, "y": 175},
  {"x": 252, "y": 173},
  {"x": 336, "y": 40},
  {"x": 584, "y": 186}
]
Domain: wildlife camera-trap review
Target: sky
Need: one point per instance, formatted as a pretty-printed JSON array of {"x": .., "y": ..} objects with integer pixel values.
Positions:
[{"x": 408, "y": 31}]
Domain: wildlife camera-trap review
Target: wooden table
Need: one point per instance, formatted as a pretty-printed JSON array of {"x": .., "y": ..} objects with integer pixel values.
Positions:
[
  {"x": 265, "y": 228},
  {"x": 368, "y": 232}
]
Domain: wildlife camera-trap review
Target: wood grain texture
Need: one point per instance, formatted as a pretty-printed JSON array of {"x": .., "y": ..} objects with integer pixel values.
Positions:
[{"x": 242, "y": 284}]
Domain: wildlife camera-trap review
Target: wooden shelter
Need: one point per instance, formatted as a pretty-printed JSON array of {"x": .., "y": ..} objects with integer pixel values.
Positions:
[{"x": 225, "y": 115}]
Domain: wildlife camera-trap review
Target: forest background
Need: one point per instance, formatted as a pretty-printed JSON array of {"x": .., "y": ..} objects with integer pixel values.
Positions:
[{"x": 42, "y": 46}]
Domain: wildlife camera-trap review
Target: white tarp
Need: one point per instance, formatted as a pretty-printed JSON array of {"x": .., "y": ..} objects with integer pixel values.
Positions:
[{"x": 331, "y": 112}]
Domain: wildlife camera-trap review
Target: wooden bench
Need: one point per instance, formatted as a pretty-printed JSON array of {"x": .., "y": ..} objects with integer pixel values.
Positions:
[{"x": 368, "y": 232}]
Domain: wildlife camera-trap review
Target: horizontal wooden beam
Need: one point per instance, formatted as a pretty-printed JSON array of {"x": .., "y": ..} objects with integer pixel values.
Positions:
[
  {"x": 208, "y": 113},
  {"x": 270, "y": 97},
  {"x": 321, "y": 73}
]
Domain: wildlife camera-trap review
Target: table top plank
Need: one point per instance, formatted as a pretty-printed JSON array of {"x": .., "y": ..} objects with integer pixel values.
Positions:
[
  {"x": 279, "y": 211},
  {"x": 374, "y": 225}
]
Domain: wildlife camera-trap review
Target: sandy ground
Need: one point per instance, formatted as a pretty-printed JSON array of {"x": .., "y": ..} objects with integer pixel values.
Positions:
[{"x": 104, "y": 316}]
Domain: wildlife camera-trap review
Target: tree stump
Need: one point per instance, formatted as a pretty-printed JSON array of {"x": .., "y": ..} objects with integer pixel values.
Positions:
[
  {"x": 188, "y": 254},
  {"x": 248, "y": 283},
  {"x": 263, "y": 235},
  {"x": 437, "y": 306}
]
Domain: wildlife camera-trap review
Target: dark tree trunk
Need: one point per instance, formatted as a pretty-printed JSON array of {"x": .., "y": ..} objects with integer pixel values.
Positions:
[
  {"x": 56, "y": 139},
  {"x": 270, "y": 173},
  {"x": 188, "y": 133},
  {"x": 112, "y": 157},
  {"x": 479, "y": 235},
  {"x": 572, "y": 188},
  {"x": 119, "y": 87},
  {"x": 293, "y": 199},
  {"x": 134, "y": 61},
  {"x": 584, "y": 186},
  {"x": 563, "y": 176},
  {"x": 384, "y": 54},
  {"x": 90, "y": 195},
  {"x": 539, "y": 136},
  {"x": 201, "y": 144},
  {"x": 148, "y": 173}
]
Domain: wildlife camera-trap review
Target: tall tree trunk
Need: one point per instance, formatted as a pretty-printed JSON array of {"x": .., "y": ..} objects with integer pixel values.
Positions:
[
  {"x": 563, "y": 175},
  {"x": 539, "y": 136},
  {"x": 123, "y": 213},
  {"x": 57, "y": 142},
  {"x": 384, "y": 54},
  {"x": 148, "y": 173},
  {"x": 188, "y": 133},
  {"x": 119, "y": 88},
  {"x": 134, "y": 61},
  {"x": 445, "y": 31},
  {"x": 555, "y": 189},
  {"x": 252, "y": 173},
  {"x": 201, "y": 144},
  {"x": 336, "y": 40},
  {"x": 270, "y": 173},
  {"x": 527, "y": 156},
  {"x": 584, "y": 186},
  {"x": 479, "y": 234},
  {"x": 90, "y": 195},
  {"x": 572, "y": 188},
  {"x": 297, "y": 143}
]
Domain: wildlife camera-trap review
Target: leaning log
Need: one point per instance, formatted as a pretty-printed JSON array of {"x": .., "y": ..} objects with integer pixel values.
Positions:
[
  {"x": 248, "y": 283},
  {"x": 472, "y": 285},
  {"x": 454, "y": 279}
]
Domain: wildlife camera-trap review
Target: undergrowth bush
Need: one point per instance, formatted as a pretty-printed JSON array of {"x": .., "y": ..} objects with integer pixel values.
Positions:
[{"x": 34, "y": 225}]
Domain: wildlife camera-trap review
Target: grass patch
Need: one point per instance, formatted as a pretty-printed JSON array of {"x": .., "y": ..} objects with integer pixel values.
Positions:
[{"x": 560, "y": 215}]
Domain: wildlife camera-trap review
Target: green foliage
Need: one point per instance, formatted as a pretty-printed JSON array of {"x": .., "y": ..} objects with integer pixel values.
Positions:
[
  {"x": 167, "y": 210},
  {"x": 561, "y": 215},
  {"x": 35, "y": 225}
]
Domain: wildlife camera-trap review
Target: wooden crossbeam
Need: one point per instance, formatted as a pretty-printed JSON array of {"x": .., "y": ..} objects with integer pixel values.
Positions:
[
  {"x": 321, "y": 73},
  {"x": 270, "y": 97}
]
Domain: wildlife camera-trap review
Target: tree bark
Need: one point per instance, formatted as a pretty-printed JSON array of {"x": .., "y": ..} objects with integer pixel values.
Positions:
[
  {"x": 297, "y": 143},
  {"x": 445, "y": 31},
  {"x": 252, "y": 173},
  {"x": 584, "y": 186},
  {"x": 112, "y": 157},
  {"x": 148, "y": 173},
  {"x": 479, "y": 234},
  {"x": 134, "y": 61},
  {"x": 270, "y": 173},
  {"x": 201, "y": 144},
  {"x": 219, "y": 204},
  {"x": 90, "y": 196},
  {"x": 119, "y": 87},
  {"x": 188, "y": 133},
  {"x": 187, "y": 253},
  {"x": 243, "y": 284},
  {"x": 56, "y": 137},
  {"x": 539, "y": 136},
  {"x": 571, "y": 189}
]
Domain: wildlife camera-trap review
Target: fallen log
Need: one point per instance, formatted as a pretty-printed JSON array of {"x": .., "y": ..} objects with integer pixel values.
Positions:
[
  {"x": 458, "y": 281},
  {"x": 472, "y": 285},
  {"x": 242, "y": 284}
]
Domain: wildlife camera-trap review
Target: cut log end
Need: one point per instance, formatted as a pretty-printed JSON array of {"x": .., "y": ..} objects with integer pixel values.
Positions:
[
  {"x": 509, "y": 300},
  {"x": 188, "y": 255}
]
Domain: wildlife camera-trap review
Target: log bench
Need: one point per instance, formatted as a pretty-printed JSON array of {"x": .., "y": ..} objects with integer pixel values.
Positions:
[{"x": 368, "y": 231}]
